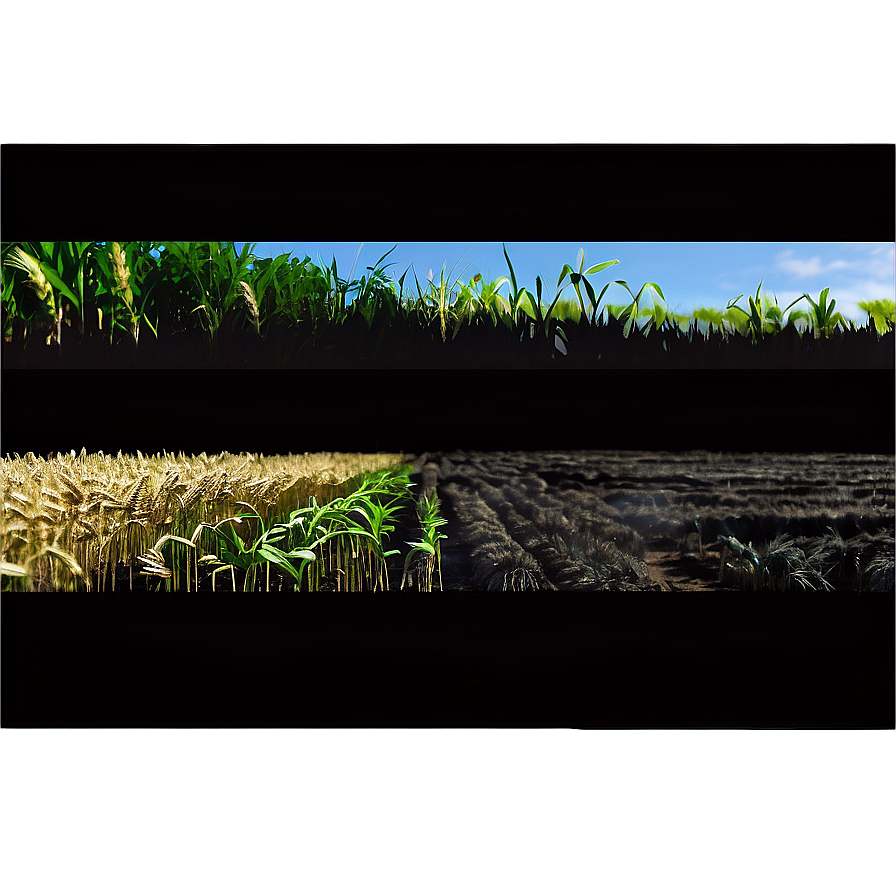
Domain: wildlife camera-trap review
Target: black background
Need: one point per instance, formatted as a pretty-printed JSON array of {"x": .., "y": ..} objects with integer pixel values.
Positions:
[
  {"x": 803, "y": 93},
  {"x": 291, "y": 411}
]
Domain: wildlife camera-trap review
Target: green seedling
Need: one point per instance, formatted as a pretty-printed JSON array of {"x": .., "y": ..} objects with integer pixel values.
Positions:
[
  {"x": 882, "y": 312},
  {"x": 425, "y": 555},
  {"x": 821, "y": 316},
  {"x": 630, "y": 312},
  {"x": 763, "y": 317},
  {"x": 579, "y": 278},
  {"x": 235, "y": 553}
]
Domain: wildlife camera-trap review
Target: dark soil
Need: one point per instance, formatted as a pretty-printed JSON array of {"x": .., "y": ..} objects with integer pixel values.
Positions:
[{"x": 610, "y": 521}]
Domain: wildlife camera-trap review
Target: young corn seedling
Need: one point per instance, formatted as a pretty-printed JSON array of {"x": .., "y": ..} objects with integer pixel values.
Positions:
[
  {"x": 235, "y": 553},
  {"x": 330, "y": 531},
  {"x": 439, "y": 294},
  {"x": 517, "y": 294},
  {"x": 579, "y": 278},
  {"x": 486, "y": 301},
  {"x": 379, "y": 518},
  {"x": 535, "y": 310},
  {"x": 374, "y": 294},
  {"x": 821, "y": 315},
  {"x": 764, "y": 315},
  {"x": 630, "y": 312},
  {"x": 425, "y": 555}
]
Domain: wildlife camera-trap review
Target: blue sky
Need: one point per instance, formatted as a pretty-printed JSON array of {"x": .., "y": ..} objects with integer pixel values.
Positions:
[{"x": 691, "y": 275}]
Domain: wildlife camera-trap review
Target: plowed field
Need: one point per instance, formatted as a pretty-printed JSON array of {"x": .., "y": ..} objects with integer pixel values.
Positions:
[{"x": 652, "y": 521}]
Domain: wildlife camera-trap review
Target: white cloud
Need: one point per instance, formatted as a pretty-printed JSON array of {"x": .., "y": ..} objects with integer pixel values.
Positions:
[
  {"x": 881, "y": 266},
  {"x": 877, "y": 264},
  {"x": 807, "y": 267}
]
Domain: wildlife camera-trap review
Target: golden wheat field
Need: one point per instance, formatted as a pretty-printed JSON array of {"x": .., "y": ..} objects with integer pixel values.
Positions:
[{"x": 69, "y": 520}]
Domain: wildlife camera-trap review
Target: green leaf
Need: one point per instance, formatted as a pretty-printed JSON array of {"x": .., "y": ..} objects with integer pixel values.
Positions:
[
  {"x": 510, "y": 266},
  {"x": 56, "y": 280},
  {"x": 303, "y": 555},
  {"x": 601, "y": 267},
  {"x": 566, "y": 269},
  {"x": 590, "y": 290}
]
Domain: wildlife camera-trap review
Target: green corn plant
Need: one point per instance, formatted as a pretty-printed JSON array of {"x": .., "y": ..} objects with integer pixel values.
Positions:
[
  {"x": 304, "y": 294},
  {"x": 68, "y": 268},
  {"x": 235, "y": 553},
  {"x": 517, "y": 294},
  {"x": 440, "y": 294},
  {"x": 425, "y": 555},
  {"x": 822, "y": 317},
  {"x": 567, "y": 310},
  {"x": 107, "y": 276},
  {"x": 579, "y": 278},
  {"x": 114, "y": 264},
  {"x": 480, "y": 297},
  {"x": 550, "y": 324},
  {"x": 753, "y": 321},
  {"x": 269, "y": 281},
  {"x": 207, "y": 273},
  {"x": 882, "y": 312},
  {"x": 630, "y": 312},
  {"x": 80, "y": 264},
  {"x": 313, "y": 528},
  {"x": 380, "y": 520},
  {"x": 356, "y": 551},
  {"x": 336, "y": 291},
  {"x": 654, "y": 316},
  {"x": 764, "y": 316},
  {"x": 374, "y": 294},
  {"x": 43, "y": 308},
  {"x": 613, "y": 311},
  {"x": 534, "y": 307}
]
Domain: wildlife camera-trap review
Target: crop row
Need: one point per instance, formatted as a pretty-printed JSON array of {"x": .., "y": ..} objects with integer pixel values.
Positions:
[
  {"x": 523, "y": 537},
  {"x": 206, "y": 303},
  {"x": 823, "y": 563},
  {"x": 750, "y": 522}
]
